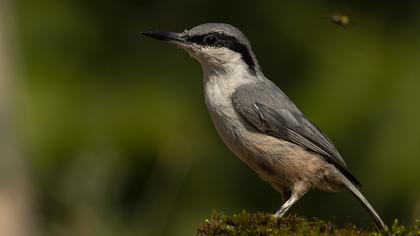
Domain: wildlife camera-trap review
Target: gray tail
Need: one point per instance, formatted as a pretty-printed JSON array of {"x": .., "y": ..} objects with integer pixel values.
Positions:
[{"x": 355, "y": 191}]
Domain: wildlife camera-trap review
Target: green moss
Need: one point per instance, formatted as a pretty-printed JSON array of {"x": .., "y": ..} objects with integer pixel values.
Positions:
[{"x": 261, "y": 224}]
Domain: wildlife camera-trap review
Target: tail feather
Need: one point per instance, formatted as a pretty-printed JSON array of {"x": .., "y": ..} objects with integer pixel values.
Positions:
[{"x": 355, "y": 191}]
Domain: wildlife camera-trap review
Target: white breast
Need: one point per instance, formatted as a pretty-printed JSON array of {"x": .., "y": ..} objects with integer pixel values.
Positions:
[{"x": 218, "y": 89}]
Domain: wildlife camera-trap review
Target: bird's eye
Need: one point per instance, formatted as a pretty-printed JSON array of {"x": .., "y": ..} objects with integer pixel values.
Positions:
[{"x": 210, "y": 40}]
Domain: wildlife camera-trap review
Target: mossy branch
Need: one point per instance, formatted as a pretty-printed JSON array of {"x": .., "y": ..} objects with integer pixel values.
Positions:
[{"x": 260, "y": 224}]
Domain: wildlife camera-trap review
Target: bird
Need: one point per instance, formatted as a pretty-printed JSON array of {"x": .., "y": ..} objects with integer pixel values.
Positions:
[{"x": 258, "y": 122}]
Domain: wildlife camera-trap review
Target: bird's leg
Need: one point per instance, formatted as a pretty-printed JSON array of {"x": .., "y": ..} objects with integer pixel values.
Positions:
[
  {"x": 292, "y": 196},
  {"x": 286, "y": 206}
]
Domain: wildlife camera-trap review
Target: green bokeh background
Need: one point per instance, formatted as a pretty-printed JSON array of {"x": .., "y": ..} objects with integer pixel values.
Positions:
[{"x": 118, "y": 141}]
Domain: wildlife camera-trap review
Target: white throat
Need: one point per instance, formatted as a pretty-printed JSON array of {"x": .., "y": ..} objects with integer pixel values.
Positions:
[{"x": 221, "y": 81}]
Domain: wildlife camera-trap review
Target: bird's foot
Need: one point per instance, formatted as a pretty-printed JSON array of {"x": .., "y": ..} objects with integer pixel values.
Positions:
[{"x": 279, "y": 213}]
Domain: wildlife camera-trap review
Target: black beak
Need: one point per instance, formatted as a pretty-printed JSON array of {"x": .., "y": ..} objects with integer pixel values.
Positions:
[{"x": 165, "y": 36}]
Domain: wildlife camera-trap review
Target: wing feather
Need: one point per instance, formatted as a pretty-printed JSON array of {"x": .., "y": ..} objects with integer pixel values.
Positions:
[{"x": 269, "y": 110}]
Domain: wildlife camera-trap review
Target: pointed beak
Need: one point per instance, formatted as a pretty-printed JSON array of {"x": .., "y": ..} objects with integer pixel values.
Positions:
[{"x": 170, "y": 37}]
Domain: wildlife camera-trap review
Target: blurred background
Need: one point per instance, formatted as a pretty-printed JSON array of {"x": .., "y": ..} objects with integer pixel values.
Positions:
[{"x": 105, "y": 132}]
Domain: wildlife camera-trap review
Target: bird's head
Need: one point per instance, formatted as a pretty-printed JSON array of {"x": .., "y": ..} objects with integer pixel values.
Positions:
[{"x": 216, "y": 46}]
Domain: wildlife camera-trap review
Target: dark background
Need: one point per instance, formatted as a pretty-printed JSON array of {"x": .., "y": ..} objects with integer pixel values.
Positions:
[{"x": 114, "y": 138}]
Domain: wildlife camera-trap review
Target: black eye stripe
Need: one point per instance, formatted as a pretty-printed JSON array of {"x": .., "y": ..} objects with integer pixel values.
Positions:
[
  {"x": 210, "y": 40},
  {"x": 223, "y": 39},
  {"x": 196, "y": 39},
  {"x": 229, "y": 42}
]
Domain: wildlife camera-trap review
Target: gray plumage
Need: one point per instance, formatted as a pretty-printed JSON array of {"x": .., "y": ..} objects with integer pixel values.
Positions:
[
  {"x": 220, "y": 27},
  {"x": 258, "y": 122},
  {"x": 270, "y": 111}
]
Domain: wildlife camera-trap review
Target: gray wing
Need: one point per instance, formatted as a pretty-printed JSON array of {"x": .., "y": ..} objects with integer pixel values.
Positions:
[{"x": 266, "y": 108}]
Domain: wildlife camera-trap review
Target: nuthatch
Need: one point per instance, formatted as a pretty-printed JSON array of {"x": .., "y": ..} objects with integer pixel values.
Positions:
[{"x": 258, "y": 122}]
